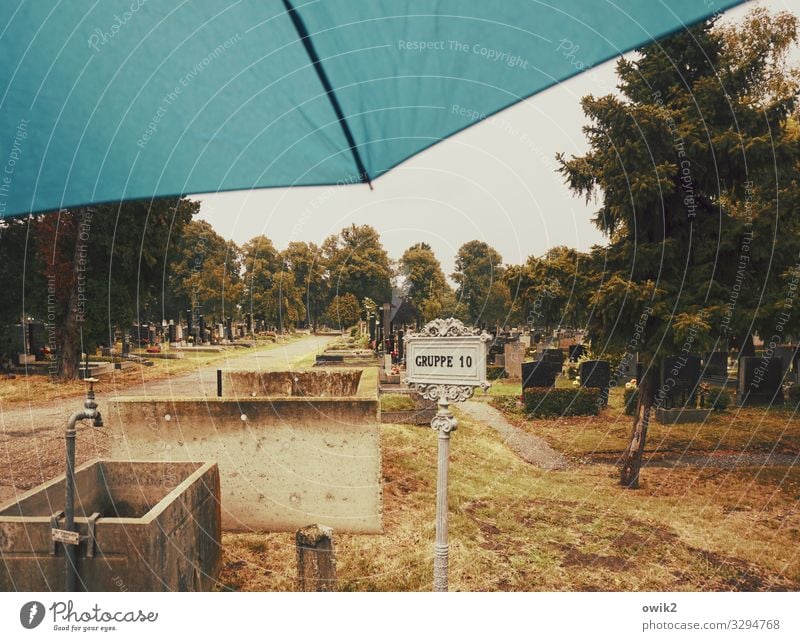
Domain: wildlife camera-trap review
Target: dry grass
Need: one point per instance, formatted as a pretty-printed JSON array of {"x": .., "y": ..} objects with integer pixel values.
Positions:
[
  {"x": 604, "y": 437},
  {"x": 41, "y": 388},
  {"x": 513, "y": 527}
]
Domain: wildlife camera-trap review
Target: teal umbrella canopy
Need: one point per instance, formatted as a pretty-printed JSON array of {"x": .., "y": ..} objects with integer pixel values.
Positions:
[{"x": 126, "y": 99}]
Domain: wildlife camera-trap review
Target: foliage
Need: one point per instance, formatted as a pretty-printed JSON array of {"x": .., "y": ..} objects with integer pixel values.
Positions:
[
  {"x": 343, "y": 311},
  {"x": 358, "y": 264},
  {"x": 794, "y": 395},
  {"x": 494, "y": 372},
  {"x": 424, "y": 283},
  {"x": 689, "y": 164},
  {"x": 630, "y": 398},
  {"x": 719, "y": 399},
  {"x": 396, "y": 402},
  {"x": 204, "y": 273},
  {"x": 546, "y": 402},
  {"x": 481, "y": 287}
]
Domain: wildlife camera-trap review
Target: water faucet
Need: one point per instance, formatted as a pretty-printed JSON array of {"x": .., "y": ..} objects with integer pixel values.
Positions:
[{"x": 89, "y": 413}]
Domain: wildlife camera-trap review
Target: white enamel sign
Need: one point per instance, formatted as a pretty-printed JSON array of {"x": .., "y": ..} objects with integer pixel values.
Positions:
[{"x": 446, "y": 360}]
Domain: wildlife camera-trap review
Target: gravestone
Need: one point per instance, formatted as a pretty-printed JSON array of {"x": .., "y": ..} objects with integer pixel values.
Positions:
[
  {"x": 37, "y": 337},
  {"x": 514, "y": 355},
  {"x": 716, "y": 364},
  {"x": 554, "y": 355},
  {"x": 228, "y": 329},
  {"x": 539, "y": 374},
  {"x": 575, "y": 352},
  {"x": 597, "y": 375},
  {"x": 201, "y": 322},
  {"x": 680, "y": 377},
  {"x": 173, "y": 332},
  {"x": 760, "y": 381},
  {"x": 788, "y": 355},
  {"x": 248, "y": 320}
]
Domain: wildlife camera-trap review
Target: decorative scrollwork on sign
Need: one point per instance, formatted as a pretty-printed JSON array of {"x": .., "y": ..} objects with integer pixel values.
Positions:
[
  {"x": 444, "y": 423},
  {"x": 452, "y": 327},
  {"x": 444, "y": 393}
]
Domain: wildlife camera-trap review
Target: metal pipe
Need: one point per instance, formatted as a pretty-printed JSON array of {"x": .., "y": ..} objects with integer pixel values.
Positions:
[{"x": 90, "y": 412}]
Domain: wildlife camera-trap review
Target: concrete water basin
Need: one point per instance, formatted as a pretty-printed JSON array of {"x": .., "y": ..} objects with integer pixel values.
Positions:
[
  {"x": 293, "y": 448},
  {"x": 146, "y": 526}
]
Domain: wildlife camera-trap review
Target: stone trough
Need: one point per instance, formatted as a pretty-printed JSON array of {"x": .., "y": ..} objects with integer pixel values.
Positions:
[
  {"x": 293, "y": 448},
  {"x": 151, "y": 526}
]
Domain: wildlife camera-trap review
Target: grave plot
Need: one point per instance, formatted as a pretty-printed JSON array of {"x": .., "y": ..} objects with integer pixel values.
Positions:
[{"x": 293, "y": 448}]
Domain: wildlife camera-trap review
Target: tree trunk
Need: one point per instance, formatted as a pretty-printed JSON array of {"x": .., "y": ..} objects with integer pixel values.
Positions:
[
  {"x": 73, "y": 316},
  {"x": 632, "y": 459}
]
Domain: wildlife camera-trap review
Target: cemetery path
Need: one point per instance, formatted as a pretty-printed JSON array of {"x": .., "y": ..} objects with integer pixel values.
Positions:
[
  {"x": 32, "y": 435},
  {"x": 203, "y": 381},
  {"x": 529, "y": 448}
]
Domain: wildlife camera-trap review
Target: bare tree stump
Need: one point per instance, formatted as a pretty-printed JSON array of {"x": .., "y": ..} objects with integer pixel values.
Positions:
[{"x": 316, "y": 559}]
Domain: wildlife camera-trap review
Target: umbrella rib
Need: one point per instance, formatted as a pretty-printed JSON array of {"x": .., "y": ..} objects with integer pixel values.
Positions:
[{"x": 305, "y": 38}]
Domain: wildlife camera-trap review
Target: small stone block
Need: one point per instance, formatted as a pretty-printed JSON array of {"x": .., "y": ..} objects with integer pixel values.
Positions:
[{"x": 316, "y": 559}]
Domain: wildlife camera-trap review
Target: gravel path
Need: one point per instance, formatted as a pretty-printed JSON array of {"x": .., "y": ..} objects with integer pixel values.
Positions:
[
  {"x": 32, "y": 435},
  {"x": 529, "y": 448}
]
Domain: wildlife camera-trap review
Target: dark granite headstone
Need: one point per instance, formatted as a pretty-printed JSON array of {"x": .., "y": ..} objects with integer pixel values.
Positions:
[
  {"x": 716, "y": 364},
  {"x": 788, "y": 355},
  {"x": 554, "y": 355},
  {"x": 575, "y": 352},
  {"x": 201, "y": 322},
  {"x": 680, "y": 376},
  {"x": 596, "y": 374},
  {"x": 539, "y": 374},
  {"x": 173, "y": 332},
  {"x": 760, "y": 381}
]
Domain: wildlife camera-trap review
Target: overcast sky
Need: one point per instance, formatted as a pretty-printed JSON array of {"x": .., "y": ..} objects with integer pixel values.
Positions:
[{"x": 496, "y": 182}]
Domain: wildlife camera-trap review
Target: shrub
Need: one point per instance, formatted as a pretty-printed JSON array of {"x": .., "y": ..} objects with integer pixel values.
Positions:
[
  {"x": 548, "y": 402},
  {"x": 396, "y": 402},
  {"x": 631, "y": 398},
  {"x": 718, "y": 399},
  {"x": 495, "y": 372},
  {"x": 794, "y": 395},
  {"x": 505, "y": 403}
]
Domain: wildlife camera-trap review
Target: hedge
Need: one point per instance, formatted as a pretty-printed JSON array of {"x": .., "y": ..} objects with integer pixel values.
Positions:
[
  {"x": 549, "y": 402},
  {"x": 631, "y": 398},
  {"x": 794, "y": 395},
  {"x": 495, "y": 372}
]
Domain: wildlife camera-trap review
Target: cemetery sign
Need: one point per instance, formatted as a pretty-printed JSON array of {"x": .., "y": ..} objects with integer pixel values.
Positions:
[
  {"x": 446, "y": 353},
  {"x": 445, "y": 362}
]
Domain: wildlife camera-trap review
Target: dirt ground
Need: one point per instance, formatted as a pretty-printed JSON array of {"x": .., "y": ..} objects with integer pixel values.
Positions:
[{"x": 32, "y": 432}]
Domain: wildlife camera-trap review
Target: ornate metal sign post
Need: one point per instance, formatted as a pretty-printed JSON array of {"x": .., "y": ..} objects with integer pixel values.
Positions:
[{"x": 445, "y": 362}]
